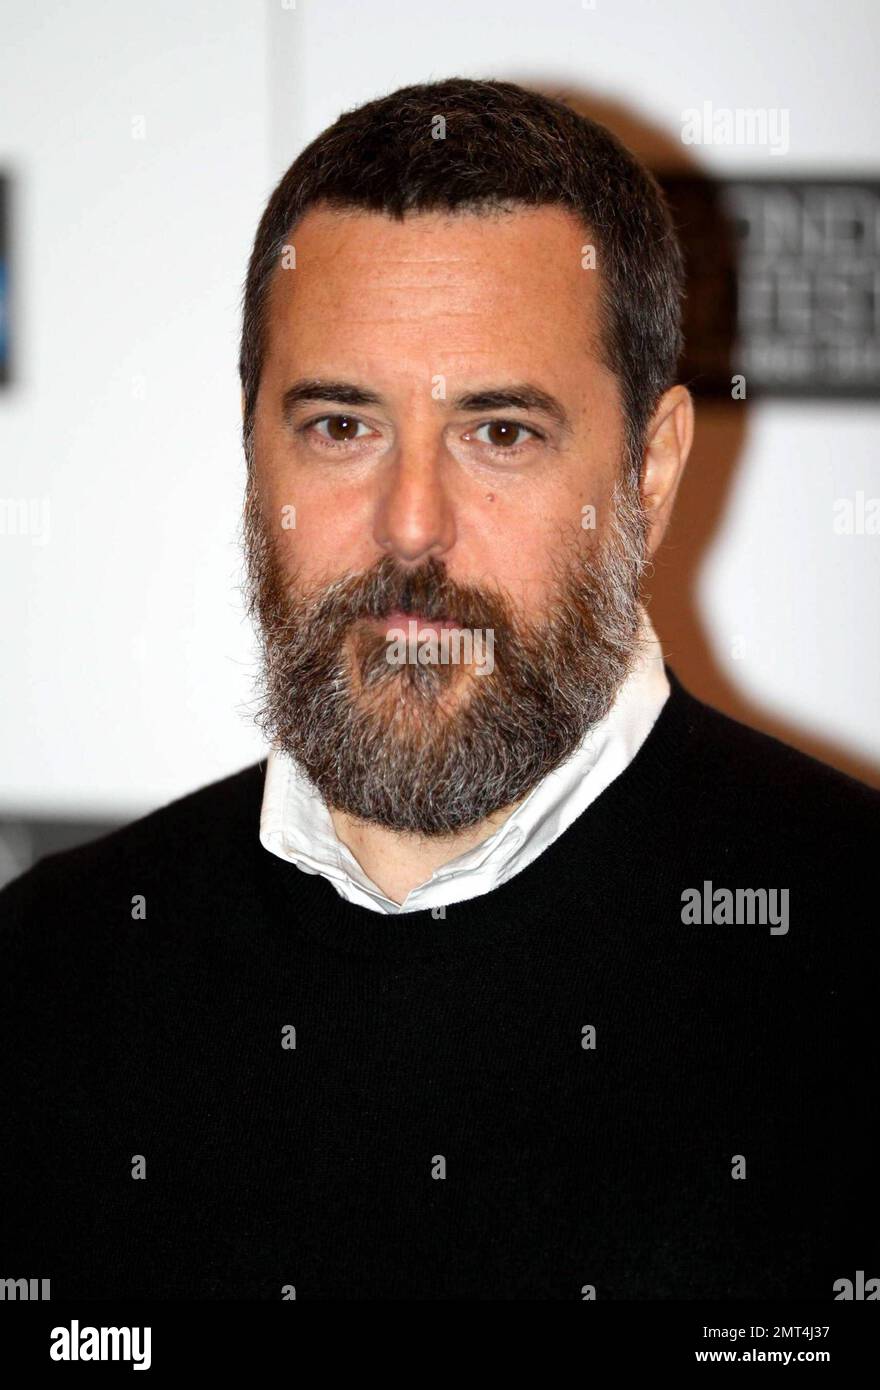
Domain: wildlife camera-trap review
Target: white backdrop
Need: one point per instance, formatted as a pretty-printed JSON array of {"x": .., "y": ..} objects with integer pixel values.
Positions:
[{"x": 143, "y": 142}]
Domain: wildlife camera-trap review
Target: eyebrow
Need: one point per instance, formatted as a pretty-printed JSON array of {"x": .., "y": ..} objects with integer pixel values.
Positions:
[{"x": 523, "y": 396}]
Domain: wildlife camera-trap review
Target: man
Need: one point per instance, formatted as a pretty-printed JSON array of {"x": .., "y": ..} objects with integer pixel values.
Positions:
[{"x": 515, "y": 972}]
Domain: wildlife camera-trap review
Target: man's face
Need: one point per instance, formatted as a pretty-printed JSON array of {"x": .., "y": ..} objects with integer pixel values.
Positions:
[{"x": 436, "y": 438}]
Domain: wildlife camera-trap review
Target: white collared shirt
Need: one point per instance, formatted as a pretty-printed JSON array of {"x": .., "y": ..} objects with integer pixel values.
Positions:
[{"x": 296, "y": 825}]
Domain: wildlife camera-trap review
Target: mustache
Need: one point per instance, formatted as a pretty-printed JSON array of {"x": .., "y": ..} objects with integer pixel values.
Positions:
[{"x": 388, "y": 587}]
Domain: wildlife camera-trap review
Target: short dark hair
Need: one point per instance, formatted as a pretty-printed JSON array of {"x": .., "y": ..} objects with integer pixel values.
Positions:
[{"x": 502, "y": 145}]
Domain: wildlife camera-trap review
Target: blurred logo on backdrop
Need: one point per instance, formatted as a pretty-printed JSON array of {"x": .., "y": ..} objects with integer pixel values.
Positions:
[{"x": 783, "y": 285}]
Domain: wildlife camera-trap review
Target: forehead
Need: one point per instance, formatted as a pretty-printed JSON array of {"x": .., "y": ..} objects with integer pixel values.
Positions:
[{"x": 457, "y": 286}]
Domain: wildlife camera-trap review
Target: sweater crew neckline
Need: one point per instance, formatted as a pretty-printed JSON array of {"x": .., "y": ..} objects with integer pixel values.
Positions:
[{"x": 612, "y": 825}]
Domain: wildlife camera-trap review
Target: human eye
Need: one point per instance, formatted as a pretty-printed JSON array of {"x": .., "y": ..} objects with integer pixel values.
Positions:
[
  {"x": 335, "y": 431},
  {"x": 504, "y": 436}
]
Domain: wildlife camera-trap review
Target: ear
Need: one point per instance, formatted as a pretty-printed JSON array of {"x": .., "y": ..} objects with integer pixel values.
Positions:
[
  {"x": 668, "y": 440},
  {"x": 242, "y": 402}
]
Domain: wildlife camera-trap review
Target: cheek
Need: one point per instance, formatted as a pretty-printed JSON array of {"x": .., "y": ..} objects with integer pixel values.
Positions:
[
  {"x": 321, "y": 538},
  {"x": 519, "y": 565},
  {"x": 528, "y": 538}
]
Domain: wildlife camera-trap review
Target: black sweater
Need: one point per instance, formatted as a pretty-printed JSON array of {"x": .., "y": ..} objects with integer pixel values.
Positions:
[{"x": 258, "y": 1087}]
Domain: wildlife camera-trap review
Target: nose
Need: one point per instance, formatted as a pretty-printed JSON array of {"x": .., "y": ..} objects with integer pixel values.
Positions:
[{"x": 414, "y": 518}]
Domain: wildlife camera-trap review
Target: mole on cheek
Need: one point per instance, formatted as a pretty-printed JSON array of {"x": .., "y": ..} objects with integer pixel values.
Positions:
[{"x": 490, "y": 497}]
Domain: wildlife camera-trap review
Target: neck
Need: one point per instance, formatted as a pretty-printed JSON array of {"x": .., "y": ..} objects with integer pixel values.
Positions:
[{"x": 398, "y": 861}]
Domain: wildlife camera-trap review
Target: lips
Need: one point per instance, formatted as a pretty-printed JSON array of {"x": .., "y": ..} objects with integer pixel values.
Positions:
[{"x": 398, "y": 619}]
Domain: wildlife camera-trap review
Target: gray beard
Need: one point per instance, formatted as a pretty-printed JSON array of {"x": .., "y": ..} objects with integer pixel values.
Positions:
[{"x": 435, "y": 749}]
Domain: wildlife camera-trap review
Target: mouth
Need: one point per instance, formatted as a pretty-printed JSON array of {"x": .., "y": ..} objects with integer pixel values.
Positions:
[{"x": 399, "y": 619}]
